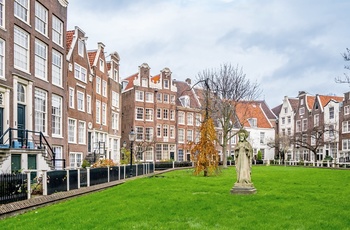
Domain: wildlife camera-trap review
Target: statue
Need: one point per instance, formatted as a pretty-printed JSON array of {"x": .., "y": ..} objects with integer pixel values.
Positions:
[{"x": 243, "y": 162}]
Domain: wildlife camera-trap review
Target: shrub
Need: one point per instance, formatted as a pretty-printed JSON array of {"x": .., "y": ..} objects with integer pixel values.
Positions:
[{"x": 103, "y": 163}]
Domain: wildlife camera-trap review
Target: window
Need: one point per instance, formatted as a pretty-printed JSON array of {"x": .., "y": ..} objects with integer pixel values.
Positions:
[
  {"x": 149, "y": 115},
  {"x": 285, "y": 109},
  {"x": 165, "y": 114},
  {"x": 72, "y": 131},
  {"x": 346, "y": 144},
  {"x": 289, "y": 131},
  {"x": 302, "y": 101},
  {"x": 283, "y": 132},
  {"x": 185, "y": 101},
  {"x": 172, "y": 99},
  {"x": 159, "y": 113},
  {"x": 115, "y": 121},
  {"x": 2, "y": 58},
  {"x": 104, "y": 88},
  {"x": 81, "y": 47},
  {"x": 262, "y": 137},
  {"x": 301, "y": 111},
  {"x": 166, "y": 84},
  {"x": 75, "y": 160},
  {"x": 304, "y": 124},
  {"x": 313, "y": 140},
  {"x": 102, "y": 66},
  {"x": 298, "y": 126},
  {"x": 283, "y": 120},
  {"x": 56, "y": 68},
  {"x": 56, "y": 115},
  {"x": 181, "y": 154},
  {"x": 189, "y": 135},
  {"x": 40, "y": 18},
  {"x": 116, "y": 75},
  {"x": 189, "y": 118},
  {"x": 40, "y": 59},
  {"x": 40, "y": 110},
  {"x": 166, "y": 98},
  {"x": 158, "y": 152},
  {"x": 21, "y": 49},
  {"x": 98, "y": 85},
  {"x": 58, "y": 155},
  {"x": 71, "y": 98},
  {"x": 331, "y": 112},
  {"x": 139, "y": 133},
  {"x": 172, "y": 132},
  {"x": 149, "y": 134},
  {"x": 181, "y": 135},
  {"x": 159, "y": 97},
  {"x": 181, "y": 118},
  {"x": 289, "y": 119},
  {"x": 81, "y": 132},
  {"x": 346, "y": 127},
  {"x": 57, "y": 31},
  {"x": 2, "y": 13},
  {"x": 115, "y": 99},
  {"x": 80, "y": 101},
  {"x": 144, "y": 82},
  {"x": 139, "y": 95},
  {"x": 149, "y": 97},
  {"x": 331, "y": 131},
  {"x": 198, "y": 119},
  {"x": 253, "y": 122},
  {"x": 88, "y": 104},
  {"x": 21, "y": 10},
  {"x": 98, "y": 112},
  {"x": 104, "y": 114},
  {"x": 80, "y": 72},
  {"x": 21, "y": 96},
  {"x": 172, "y": 115},
  {"x": 316, "y": 120},
  {"x": 159, "y": 130},
  {"x": 139, "y": 113},
  {"x": 165, "y": 130}
]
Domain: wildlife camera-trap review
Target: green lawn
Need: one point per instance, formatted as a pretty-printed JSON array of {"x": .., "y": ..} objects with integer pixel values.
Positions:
[{"x": 287, "y": 198}]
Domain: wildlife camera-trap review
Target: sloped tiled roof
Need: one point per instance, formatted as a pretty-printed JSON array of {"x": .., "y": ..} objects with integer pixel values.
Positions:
[
  {"x": 246, "y": 110},
  {"x": 277, "y": 109},
  {"x": 184, "y": 89},
  {"x": 130, "y": 80},
  {"x": 92, "y": 55},
  {"x": 269, "y": 113},
  {"x": 109, "y": 66},
  {"x": 325, "y": 99},
  {"x": 155, "y": 79},
  {"x": 294, "y": 102},
  {"x": 69, "y": 39},
  {"x": 310, "y": 101}
]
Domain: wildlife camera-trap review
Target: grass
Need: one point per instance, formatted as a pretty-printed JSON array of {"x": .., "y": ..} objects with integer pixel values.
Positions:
[{"x": 287, "y": 198}]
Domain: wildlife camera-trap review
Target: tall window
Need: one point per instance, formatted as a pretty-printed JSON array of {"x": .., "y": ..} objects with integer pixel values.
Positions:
[
  {"x": 98, "y": 112},
  {"x": 166, "y": 84},
  {"x": 81, "y": 47},
  {"x": 21, "y": 49},
  {"x": 302, "y": 111},
  {"x": 198, "y": 119},
  {"x": 40, "y": 110},
  {"x": 172, "y": 115},
  {"x": 298, "y": 126},
  {"x": 80, "y": 101},
  {"x": 2, "y": 58},
  {"x": 72, "y": 135},
  {"x": 40, "y": 18},
  {"x": 139, "y": 113},
  {"x": 98, "y": 85},
  {"x": 79, "y": 72},
  {"x": 172, "y": 131},
  {"x": 139, "y": 133},
  {"x": 88, "y": 104},
  {"x": 159, "y": 130},
  {"x": 190, "y": 118},
  {"x": 2, "y": 13},
  {"x": 304, "y": 124},
  {"x": 58, "y": 155},
  {"x": 166, "y": 98},
  {"x": 56, "y": 68},
  {"x": 71, "y": 98},
  {"x": 102, "y": 65},
  {"x": 181, "y": 118},
  {"x": 114, "y": 121},
  {"x": 21, "y": 94},
  {"x": 165, "y": 114},
  {"x": 56, "y": 115},
  {"x": 262, "y": 138},
  {"x": 165, "y": 130},
  {"x": 189, "y": 135},
  {"x": 149, "y": 134},
  {"x": 346, "y": 127},
  {"x": 57, "y": 31},
  {"x": 81, "y": 132},
  {"x": 149, "y": 97},
  {"x": 159, "y": 113},
  {"x": 139, "y": 95},
  {"x": 21, "y": 9},
  {"x": 104, "y": 88},
  {"x": 149, "y": 114},
  {"x": 40, "y": 59},
  {"x": 316, "y": 120},
  {"x": 115, "y": 99},
  {"x": 159, "y": 97},
  {"x": 331, "y": 113},
  {"x": 104, "y": 113},
  {"x": 181, "y": 137}
]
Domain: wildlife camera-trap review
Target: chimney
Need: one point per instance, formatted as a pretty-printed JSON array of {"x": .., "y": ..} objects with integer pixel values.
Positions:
[{"x": 188, "y": 81}]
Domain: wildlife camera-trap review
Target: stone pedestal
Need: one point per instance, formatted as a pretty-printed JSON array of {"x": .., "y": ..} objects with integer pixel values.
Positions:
[{"x": 243, "y": 189}]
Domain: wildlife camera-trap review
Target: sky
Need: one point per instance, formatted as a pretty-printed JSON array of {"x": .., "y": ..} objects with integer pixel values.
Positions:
[{"x": 285, "y": 46}]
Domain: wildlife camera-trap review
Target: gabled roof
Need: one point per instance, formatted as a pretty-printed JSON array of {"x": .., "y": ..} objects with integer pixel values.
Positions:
[
  {"x": 310, "y": 101},
  {"x": 246, "y": 110},
  {"x": 69, "y": 39},
  {"x": 294, "y": 102},
  {"x": 324, "y": 100},
  {"x": 130, "y": 81},
  {"x": 109, "y": 66},
  {"x": 92, "y": 55},
  {"x": 155, "y": 79},
  {"x": 277, "y": 109},
  {"x": 269, "y": 113},
  {"x": 184, "y": 89}
]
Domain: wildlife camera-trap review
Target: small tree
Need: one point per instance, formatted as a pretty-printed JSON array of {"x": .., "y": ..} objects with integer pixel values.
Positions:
[
  {"x": 126, "y": 159},
  {"x": 204, "y": 154},
  {"x": 346, "y": 77}
]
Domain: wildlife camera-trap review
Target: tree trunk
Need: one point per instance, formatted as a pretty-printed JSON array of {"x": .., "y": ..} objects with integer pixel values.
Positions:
[{"x": 224, "y": 156}]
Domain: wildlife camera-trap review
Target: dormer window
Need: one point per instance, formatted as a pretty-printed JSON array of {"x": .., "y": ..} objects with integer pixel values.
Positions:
[
  {"x": 253, "y": 122},
  {"x": 185, "y": 101}
]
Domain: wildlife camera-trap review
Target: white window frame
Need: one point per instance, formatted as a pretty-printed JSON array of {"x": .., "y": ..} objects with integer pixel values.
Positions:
[
  {"x": 172, "y": 132},
  {"x": 346, "y": 127},
  {"x": 2, "y": 58},
  {"x": 139, "y": 95},
  {"x": 181, "y": 117},
  {"x": 104, "y": 88},
  {"x": 72, "y": 130},
  {"x": 21, "y": 47},
  {"x": 115, "y": 120},
  {"x": 198, "y": 119},
  {"x": 75, "y": 160},
  {"x": 21, "y": 10},
  {"x": 2, "y": 13},
  {"x": 166, "y": 98},
  {"x": 159, "y": 130},
  {"x": 149, "y": 97},
  {"x": 189, "y": 118},
  {"x": 56, "y": 108},
  {"x": 166, "y": 114},
  {"x": 172, "y": 115},
  {"x": 98, "y": 85},
  {"x": 181, "y": 135},
  {"x": 81, "y": 132},
  {"x": 80, "y": 101},
  {"x": 139, "y": 113},
  {"x": 149, "y": 114},
  {"x": 98, "y": 112},
  {"x": 57, "y": 31},
  {"x": 139, "y": 133},
  {"x": 81, "y": 46},
  {"x": 41, "y": 18},
  {"x": 149, "y": 134},
  {"x": 115, "y": 99},
  {"x": 40, "y": 113},
  {"x": 298, "y": 126},
  {"x": 316, "y": 120},
  {"x": 189, "y": 136},
  {"x": 71, "y": 97},
  {"x": 58, "y": 156},
  {"x": 159, "y": 113},
  {"x": 166, "y": 83},
  {"x": 80, "y": 72},
  {"x": 57, "y": 68},
  {"x": 40, "y": 60},
  {"x": 88, "y": 103},
  {"x": 104, "y": 113},
  {"x": 102, "y": 65}
]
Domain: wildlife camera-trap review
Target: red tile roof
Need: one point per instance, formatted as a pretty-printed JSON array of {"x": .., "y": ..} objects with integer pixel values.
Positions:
[
  {"x": 310, "y": 101},
  {"x": 294, "y": 102},
  {"x": 130, "y": 80},
  {"x": 184, "y": 89},
  {"x": 69, "y": 39},
  {"x": 156, "y": 78},
  {"x": 92, "y": 55},
  {"x": 326, "y": 99},
  {"x": 108, "y": 66},
  {"x": 246, "y": 110}
]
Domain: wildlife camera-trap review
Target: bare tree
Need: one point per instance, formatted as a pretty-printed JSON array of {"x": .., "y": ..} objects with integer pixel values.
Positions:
[
  {"x": 346, "y": 77},
  {"x": 227, "y": 86},
  {"x": 282, "y": 144}
]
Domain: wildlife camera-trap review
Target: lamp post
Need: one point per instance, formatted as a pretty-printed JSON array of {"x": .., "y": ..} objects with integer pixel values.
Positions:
[{"x": 132, "y": 136}]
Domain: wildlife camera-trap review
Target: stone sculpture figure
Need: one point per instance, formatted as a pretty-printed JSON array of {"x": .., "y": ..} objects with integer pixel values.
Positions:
[{"x": 243, "y": 161}]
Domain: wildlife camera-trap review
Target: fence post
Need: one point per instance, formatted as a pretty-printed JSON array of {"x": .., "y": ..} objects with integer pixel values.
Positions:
[
  {"x": 67, "y": 179},
  {"x": 136, "y": 169},
  {"x": 124, "y": 171},
  {"x": 87, "y": 176},
  {"x": 118, "y": 172},
  {"x": 78, "y": 178},
  {"x": 44, "y": 181},
  {"x": 108, "y": 178},
  {"x": 28, "y": 184}
]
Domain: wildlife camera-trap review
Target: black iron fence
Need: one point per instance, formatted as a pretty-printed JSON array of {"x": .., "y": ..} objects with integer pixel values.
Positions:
[
  {"x": 13, "y": 187},
  {"x": 173, "y": 164}
]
